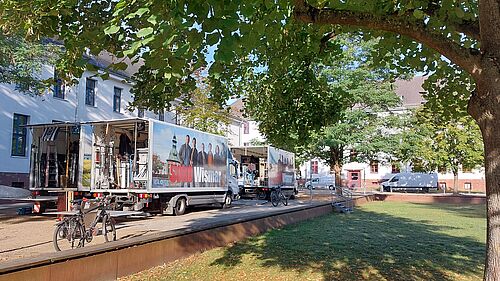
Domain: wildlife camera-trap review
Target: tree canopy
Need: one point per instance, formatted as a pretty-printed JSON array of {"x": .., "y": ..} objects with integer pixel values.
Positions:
[
  {"x": 21, "y": 63},
  {"x": 456, "y": 42},
  {"x": 431, "y": 142},
  {"x": 174, "y": 37},
  {"x": 322, "y": 107}
]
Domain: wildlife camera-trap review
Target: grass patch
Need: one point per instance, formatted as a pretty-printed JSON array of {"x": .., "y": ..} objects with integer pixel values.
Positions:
[{"x": 379, "y": 241}]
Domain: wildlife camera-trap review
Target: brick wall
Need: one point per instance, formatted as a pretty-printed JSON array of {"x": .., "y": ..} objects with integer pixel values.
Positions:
[
  {"x": 478, "y": 185},
  {"x": 14, "y": 179}
]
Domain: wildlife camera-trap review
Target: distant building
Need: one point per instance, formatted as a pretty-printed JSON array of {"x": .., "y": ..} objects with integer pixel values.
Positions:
[
  {"x": 243, "y": 130},
  {"x": 91, "y": 99}
]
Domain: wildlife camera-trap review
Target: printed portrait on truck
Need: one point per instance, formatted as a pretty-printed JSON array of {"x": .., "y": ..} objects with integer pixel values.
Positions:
[{"x": 187, "y": 158}]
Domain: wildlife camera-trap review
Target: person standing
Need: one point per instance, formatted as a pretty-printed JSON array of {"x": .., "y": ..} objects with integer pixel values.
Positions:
[
  {"x": 202, "y": 156},
  {"x": 210, "y": 156},
  {"x": 185, "y": 152},
  {"x": 185, "y": 156},
  {"x": 193, "y": 159}
]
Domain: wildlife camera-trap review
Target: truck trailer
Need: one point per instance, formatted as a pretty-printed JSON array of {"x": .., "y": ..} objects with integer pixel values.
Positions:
[
  {"x": 147, "y": 164},
  {"x": 264, "y": 167}
]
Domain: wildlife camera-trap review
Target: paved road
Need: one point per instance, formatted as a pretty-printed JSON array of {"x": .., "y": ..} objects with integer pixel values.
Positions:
[{"x": 29, "y": 236}]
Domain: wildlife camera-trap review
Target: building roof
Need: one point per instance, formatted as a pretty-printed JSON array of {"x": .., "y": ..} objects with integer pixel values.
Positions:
[
  {"x": 105, "y": 59},
  {"x": 237, "y": 109},
  {"x": 410, "y": 91}
]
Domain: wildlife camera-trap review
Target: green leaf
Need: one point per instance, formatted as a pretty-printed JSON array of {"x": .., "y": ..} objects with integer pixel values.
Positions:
[
  {"x": 212, "y": 38},
  {"x": 120, "y": 66},
  {"x": 459, "y": 12},
  {"x": 145, "y": 32},
  {"x": 152, "y": 20},
  {"x": 418, "y": 14},
  {"x": 111, "y": 29}
]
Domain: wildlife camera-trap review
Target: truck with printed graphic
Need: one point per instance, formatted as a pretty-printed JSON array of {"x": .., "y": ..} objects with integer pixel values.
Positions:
[
  {"x": 263, "y": 168},
  {"x": 148, "y": 165}
]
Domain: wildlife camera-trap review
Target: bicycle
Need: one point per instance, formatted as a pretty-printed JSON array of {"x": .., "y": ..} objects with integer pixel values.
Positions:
[
  {"x": 72, "y": 232},
  {"x": 277, "y": 197}
]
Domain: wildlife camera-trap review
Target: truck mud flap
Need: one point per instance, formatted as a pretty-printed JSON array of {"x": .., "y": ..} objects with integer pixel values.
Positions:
[{"x": 167, "y": 208}]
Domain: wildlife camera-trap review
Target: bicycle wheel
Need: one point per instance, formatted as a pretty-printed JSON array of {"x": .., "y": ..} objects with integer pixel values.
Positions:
[
  {"x": 108, "y": 228},
  {"x": 284, "y": 199},
  {"x": 69, "y": 235},
  {"x": 275, "y": 200}
]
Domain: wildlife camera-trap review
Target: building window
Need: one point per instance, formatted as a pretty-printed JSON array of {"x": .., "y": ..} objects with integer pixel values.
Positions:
[
  {"x": 117, "y": 99},
  {"x": 314, "y": 167},
  {"x": 161, "y": 115},
  {"x": 468, "y": 186},
  {"x": 19, "y": 135},
  {"x": 140, "y": 112},
  {"x": 59, "y": 87},
  {"x": 374, "y": 167},
  {"x": 90, "y": 92},
  {"x": 395, "y": 168}
]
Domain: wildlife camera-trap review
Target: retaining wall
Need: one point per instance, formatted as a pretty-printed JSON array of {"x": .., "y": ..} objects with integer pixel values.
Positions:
[{"x": 121, "y": 258}]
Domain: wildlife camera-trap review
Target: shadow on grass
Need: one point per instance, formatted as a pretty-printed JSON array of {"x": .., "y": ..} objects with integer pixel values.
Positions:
[
  {"x": 463, "y": 210},
  {"x": 363, "y": 246}
]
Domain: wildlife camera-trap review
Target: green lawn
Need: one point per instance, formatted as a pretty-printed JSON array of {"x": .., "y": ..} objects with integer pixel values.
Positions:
[{"x": 379, "y": 241}]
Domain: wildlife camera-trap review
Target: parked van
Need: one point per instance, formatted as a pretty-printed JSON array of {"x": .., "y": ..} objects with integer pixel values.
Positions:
[
  {"x": 415, "y": 181},
  {"x": 321, "y": 182}
]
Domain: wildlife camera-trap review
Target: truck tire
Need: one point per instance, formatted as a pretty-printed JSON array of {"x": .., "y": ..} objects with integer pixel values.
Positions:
[
  {"x": 180, "y": 206},
  {"x": 331, "y": 187},
  {"x": 228, "y": 201},
  {"x": 261, "y": 195}
]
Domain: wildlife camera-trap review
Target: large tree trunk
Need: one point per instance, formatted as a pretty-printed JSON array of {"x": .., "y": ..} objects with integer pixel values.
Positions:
[
  {"x": 336, "y": 169},
  {"x": 484, "y": 106},
  {"x": 336, "y": 164},
  {"x": 455, "y": 182}
]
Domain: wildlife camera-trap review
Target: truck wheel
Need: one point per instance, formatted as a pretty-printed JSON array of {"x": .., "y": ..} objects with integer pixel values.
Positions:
[
  {"x": 261, "y": 195},
  {"x": 309, "y": 187},
  {"x": 330, "y": 187},
  {"x": 180, "y": 206},
  {"x": 228, "y": 201}
]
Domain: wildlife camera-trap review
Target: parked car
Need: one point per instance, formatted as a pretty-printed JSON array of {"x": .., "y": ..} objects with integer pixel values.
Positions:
[
  {"x": 411, "y": 181},
  {"x": 321, "y": 182}
]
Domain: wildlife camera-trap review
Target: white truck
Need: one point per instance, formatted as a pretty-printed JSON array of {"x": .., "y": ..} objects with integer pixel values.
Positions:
[
  {"x": 149, "y": 165},
  {"x": 411, "y": 181},
  {"x": 264, "y": 167}
]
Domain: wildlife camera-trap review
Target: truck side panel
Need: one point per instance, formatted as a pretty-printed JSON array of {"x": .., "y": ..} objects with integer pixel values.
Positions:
[
  {"x": 186, "y": 160},
  {"x": 281, "y": 168}
]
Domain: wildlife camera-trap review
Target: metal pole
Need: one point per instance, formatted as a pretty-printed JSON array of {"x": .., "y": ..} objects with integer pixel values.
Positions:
[
  {"x": 364, "y": 181},
  {"x": 310, "y": 181}
]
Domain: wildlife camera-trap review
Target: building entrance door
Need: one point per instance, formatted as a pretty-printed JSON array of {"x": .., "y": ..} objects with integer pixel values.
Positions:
[{"x": 354, "y": 179}]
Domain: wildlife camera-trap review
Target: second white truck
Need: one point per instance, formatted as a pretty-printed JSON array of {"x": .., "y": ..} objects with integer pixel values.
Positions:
[{"x": 265, "y": 167}]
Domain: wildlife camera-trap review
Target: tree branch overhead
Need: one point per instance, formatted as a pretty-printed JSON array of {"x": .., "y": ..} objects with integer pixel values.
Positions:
[{"x": 462, "y": 56}]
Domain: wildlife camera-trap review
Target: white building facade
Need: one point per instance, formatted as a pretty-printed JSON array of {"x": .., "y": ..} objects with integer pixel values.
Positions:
[{"x": 91, "y": 99}]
